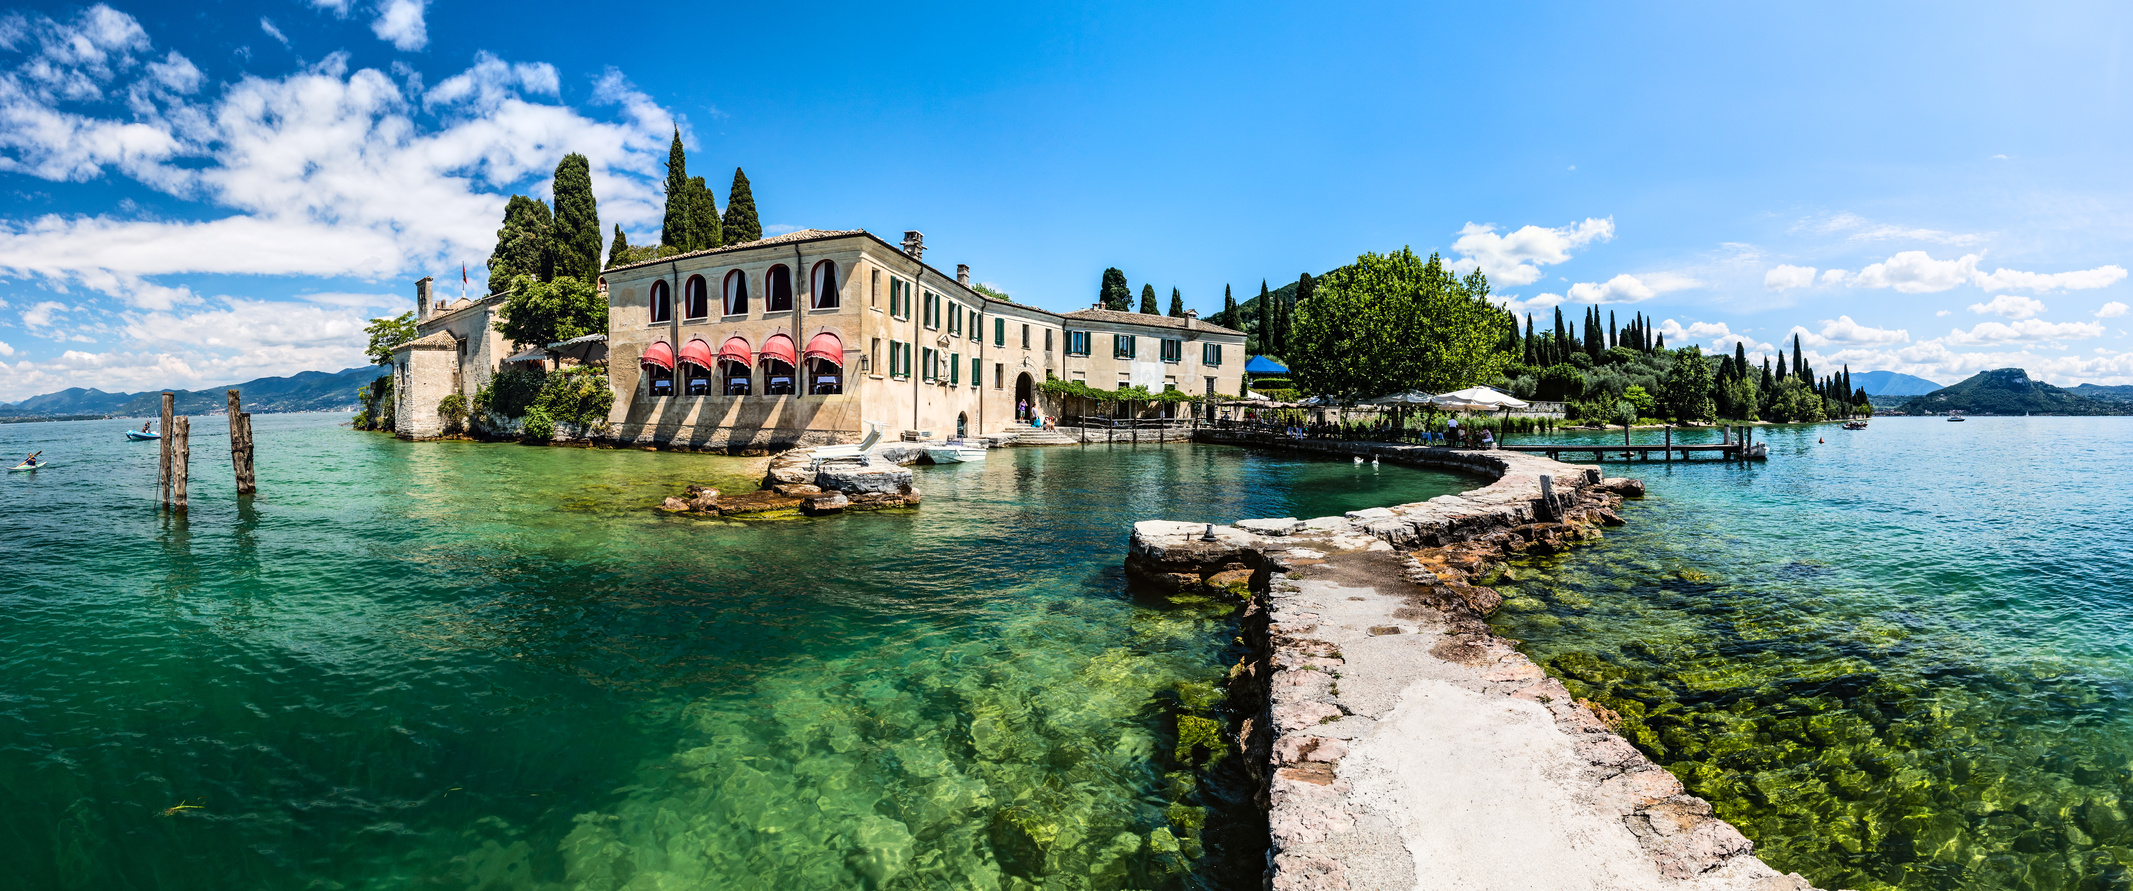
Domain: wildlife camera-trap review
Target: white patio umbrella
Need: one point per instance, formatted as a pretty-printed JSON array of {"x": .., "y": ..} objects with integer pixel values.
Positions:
[
  {"x": 1411, "y": 397},
  {"x": 1486, "y": 398}
]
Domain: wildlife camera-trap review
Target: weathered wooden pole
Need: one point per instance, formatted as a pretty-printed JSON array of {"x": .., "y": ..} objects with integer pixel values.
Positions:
[
  {"x": 1669, "y": 443},
  {"x": 164, "y": 445},
  {"x": 241, "y": 446},
  {"x": 181, "y": 461},
  {"x": 1548, "y": 496}
]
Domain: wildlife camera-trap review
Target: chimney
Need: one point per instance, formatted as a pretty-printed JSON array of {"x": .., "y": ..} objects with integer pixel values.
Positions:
[
  {"x": 1191, "y": 316},
  {"x": 422, "y": 297},
  {"x": 915, "y": 244},
  {"x": 962, "y": 274}
]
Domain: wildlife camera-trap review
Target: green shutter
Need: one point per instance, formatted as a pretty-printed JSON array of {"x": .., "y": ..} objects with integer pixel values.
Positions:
[
  {"x": 999, "y": 332},
  {"x": 977, "y": 371},
  {"x": 955, "y": 368}
]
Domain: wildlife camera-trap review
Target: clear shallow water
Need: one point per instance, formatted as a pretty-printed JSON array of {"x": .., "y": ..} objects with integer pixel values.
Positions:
[
  {"x": 488, "y": 666},
  {"x": 1900, "y": 658}
]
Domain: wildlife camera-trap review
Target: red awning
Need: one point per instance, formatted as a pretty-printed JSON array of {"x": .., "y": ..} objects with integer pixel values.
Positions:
[
  {"x": 736, "y": 350},
  {"x": 659, "y": 354},
  {"x": 698, "y": 353},
  {"x": 827, "y": 347},
  {"x": 779, "y": 347}
]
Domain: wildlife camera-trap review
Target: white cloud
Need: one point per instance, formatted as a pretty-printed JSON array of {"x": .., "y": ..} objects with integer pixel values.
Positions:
[
  {"x": 2079, "y": 280},
  {"x": 2111, "y": 310},
  {"x": 1786, "y": 277},
  {"x": 6, "y": 350},
  {"x": 1515, "y": 259},
  {"x": 1843, "y": 331},
  {"x": 40, "y": 315},
  {"x": 400, "y": 23},
  {"x": 1834, "y": 276},
  {"x": 2024, "y": 331},
  {"x": 2010, "y": 306},
  {"x": 1626, "y": 288},
  {"x": 267, "y": 25},
  {"x": 339, "y": 8},
  {"x": 1915, "y": 272},
  {"x": 1536, "y": 303},
  {"x": 1698, "y": 332},
  {"x": 1858, "y": 228}
]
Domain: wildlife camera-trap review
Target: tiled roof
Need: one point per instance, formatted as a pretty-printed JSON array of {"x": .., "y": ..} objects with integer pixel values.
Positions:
[
  {"x": 1136, "y": 318},
  {"x": 787, "y": 238},
  {"x": 436, "y": 340}
]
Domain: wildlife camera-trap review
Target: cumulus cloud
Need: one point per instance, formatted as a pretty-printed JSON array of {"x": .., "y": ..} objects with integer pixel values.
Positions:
[
  {"x": 2111, "y": 310},
  {"x": 1916, "y": 272},
  {"x": 399, "y": 23},
  {"x": 1842, "y": 331},
  {"x": 1628, "y": 288},
  {"x": 1787, "y": 277},
  {"x": 1697, "y": 332},
  {"x": 40, "y": 315},
  {"x": 2078, "y": 280},
  {"x": 6, "y": 350},
  {"x": 2024, "y": 331},
  {"x": 1515, "y": 259},
  {"x": 2010, "y": 306},
  {"x": 339, "y": 8}
]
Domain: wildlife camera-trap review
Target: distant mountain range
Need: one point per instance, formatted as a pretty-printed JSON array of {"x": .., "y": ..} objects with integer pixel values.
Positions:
[
  {"x": 2011, "y": 391},
  {"x": 303, "y": 391},
  {"x": 1890, "y": 383},
  {"x": 2107, "y": 394}
]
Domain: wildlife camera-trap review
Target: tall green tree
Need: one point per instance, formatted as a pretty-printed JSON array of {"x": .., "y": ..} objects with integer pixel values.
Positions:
[
  {"x": 741, "y": 225},
  {"x": 1688, "y": 387},
  {"x": 1229, "y": 311},
  {"x": 523, "y": 244},
  {"x": 577, "y": 220},
  {"x": 618, "y": 248},
  {"x": 677, "y": 226},
  {"x": 539, "y": 313},
  {"x": 1148, "y": 306},
  {"x": 1392, "y": 322},
  {"x": 1266, "y": 320},
  {"x": 708, "y": 231},
  {"x": 1115, "y": 294},
  {"x": 386, "y": 334},
  {"x": 1177, "y": 304}
]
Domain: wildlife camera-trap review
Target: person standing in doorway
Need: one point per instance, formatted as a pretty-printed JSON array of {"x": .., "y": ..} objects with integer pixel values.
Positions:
[{"x": 1021, "y": 409}]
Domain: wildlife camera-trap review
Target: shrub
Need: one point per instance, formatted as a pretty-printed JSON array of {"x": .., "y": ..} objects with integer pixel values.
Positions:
[
  {"x": 577, "y": 396},
  {"x": 538, "y": 425},
  {"x": 511, "y": 392},
  {"x": 453, "y": 409}
]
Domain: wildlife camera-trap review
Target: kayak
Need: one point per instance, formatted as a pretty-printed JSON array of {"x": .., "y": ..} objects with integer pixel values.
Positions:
[
  {"x": 37, "y": 466},
  {"x": 137, "y": 435}
]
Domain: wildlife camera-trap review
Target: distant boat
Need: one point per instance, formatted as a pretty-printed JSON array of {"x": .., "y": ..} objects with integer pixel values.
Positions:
[
  {"x": 956, "y": 452},
  {"x": 137, "y": 436},
  {"x": 1952, "y": 416},
  {"x": 1855, "y": 425}
]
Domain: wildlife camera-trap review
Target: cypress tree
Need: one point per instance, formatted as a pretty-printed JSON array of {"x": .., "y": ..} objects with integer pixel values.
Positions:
[
  {"x": 1659, "y": 343},
  {"x": 1305, "y": 287},
  {"x": 705, "y": 228},
  {"x": 1266, "y": 320},
  {"x": 1114, "y": 294},
  {"x": 1148, "y": 300},
  {"x": 741, "y": 225},
  {"x": 1177, "y": 304},
  {"x": 1229, "y": 310},
  {"x": 1531, "y": 359},
  {"x": 524, "y": 245},
  {"x": 676, "y": 226},
  {"x": 1799, "y": 360},
  {"x": 1781, "y": 364},
  {"x": 618, "y": 247},
  {"x": 1740, "y": 357},
  {"x": 577, "y": 220},
  {"x": 1559, "y": 350},
  {"x": 1614, "y": 334}
]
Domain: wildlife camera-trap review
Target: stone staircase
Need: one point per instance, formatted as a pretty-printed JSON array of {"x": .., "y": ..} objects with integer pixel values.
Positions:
[{"x": 1035, "y": 437}]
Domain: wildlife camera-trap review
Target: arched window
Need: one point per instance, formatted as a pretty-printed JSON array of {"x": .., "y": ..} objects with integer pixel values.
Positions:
[
  {"x": 825, "y": 285},
  {"x": 736, "y": 293},
  {"x": 658, "y": 364},
  {"x": 695, "y": 366},
  {"x": 733, "y": 366},
  {"x": 778, "y": 360},
  {"x": 825, "y": 365},
  {"x": 662, "y": 302},
  {"x": 777, "y": 289},
  {"x": 694, "y": 299}
]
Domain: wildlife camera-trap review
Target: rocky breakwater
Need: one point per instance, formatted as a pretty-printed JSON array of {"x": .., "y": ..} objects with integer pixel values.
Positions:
[
  {"x": 1401, "y": 743},
  {"x": 794, "y": 485}
]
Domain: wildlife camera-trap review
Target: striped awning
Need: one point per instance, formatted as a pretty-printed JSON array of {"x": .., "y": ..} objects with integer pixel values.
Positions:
[
  {"x": 827, "y": 347},
  {"x": 660, "y": 354}
]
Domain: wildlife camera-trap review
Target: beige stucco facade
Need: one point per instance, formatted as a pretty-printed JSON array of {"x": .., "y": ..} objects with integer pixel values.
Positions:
[{"x": 456, "y": 350}]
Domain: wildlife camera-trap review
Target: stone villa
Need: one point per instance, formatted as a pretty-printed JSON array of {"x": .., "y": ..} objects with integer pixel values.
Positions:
[{"x": 817, "y": 335}]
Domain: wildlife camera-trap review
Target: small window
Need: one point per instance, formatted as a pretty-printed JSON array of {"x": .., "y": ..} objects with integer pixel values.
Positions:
[
  {"x": 1210, "y": 354},
  {"x": 695, "y": 302},
  {"x": 658, "y": 381},
  {"x": 933, "y": 311},
  {"x": 777, "y": 289},
  {"x": 999, "y": 376},
  {"x": 1122, "y": 346},
  {"x": 736, "y": 293},
  {"x": 874, "y": 290},
  {"x": 977, "y": 328},
  {"x": 824, "y": 285},
  {"x": 1025, "y": 337},
  {"x": 955, "y": 318},
  {"x": 1173, "y": 350},
  {"x": 999, "y": 333},
  {"x": 927, "y": 371},
  {"x": 874, "y": 357},
  {"x": 662, "y": 305},
  {"x": 1047, "y": 340},
  {"x": 1077, "y": 343}
]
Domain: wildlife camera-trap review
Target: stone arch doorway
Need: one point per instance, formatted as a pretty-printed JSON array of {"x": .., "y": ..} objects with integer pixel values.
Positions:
[
  {"x": 962, "y": 426},
  {"x": 1025, "y": 398}
]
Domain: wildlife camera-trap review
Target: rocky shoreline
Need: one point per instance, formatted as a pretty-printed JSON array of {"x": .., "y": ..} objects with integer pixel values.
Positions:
[
  {"x": 793, "y": 486},
  {"x": 1400, "y": 742}
]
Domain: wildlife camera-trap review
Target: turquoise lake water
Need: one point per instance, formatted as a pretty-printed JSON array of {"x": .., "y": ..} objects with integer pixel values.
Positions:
[
  {"x": 1898, "y": 658},
  {"x": 456, "y": 665}
]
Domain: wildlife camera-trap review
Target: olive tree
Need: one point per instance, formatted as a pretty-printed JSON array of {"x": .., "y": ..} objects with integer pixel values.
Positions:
[{"x": 1393, "y": 322}]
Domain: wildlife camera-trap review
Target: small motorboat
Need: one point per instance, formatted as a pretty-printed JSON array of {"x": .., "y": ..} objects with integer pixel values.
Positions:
[
  {"x": 1955, "y": 417},
  {"x": 138, "y": 436},
  {"x": 956, "y": 451}
]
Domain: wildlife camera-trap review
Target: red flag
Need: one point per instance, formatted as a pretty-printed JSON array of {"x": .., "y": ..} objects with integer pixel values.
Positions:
[{"x": 462, "y": 273}]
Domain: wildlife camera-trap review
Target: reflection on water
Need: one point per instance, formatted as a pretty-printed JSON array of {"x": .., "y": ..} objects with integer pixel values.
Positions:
[
  {"x": 458, "y": 665},
  {"x": 1895, "y": 659}
]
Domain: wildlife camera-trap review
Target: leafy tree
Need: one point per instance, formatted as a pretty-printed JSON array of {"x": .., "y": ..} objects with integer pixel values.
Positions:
[
  {"x": 1148, "y": 300},
  {"x": 741, "y": 225},
  {"x": 1641, "y": 400},
  {"x": 1688, "y": 387},
  {"x": 1561, "y": 382},
  {"x": 1229, "y": 311},
  {"x": 540, "y": 313},
  {"x": 992, "y": 292},
  {"x": 618, "y": 248},
  {"x": 386, "y": 334},
  {"x": 577, "y": 220},
  {"x": 523, "y": 245},
  {"x": 1177, "y": 304},
  {"x": 1114, "y": 294},
  {"x": 1392, "y": 322}
]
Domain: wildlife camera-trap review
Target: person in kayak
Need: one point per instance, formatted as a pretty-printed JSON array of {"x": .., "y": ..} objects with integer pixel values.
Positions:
[{"x": 31, "y": 461}]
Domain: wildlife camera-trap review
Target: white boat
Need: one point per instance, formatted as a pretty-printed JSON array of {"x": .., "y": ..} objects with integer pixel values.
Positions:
[{"x": 956, "y": 452}]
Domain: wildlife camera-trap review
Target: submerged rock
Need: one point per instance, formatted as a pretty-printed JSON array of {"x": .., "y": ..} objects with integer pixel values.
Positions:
[{"x": 757, "y": 504}]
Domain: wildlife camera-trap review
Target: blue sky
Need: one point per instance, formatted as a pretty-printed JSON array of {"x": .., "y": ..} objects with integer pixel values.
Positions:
[{"x": 202, "y": 193}]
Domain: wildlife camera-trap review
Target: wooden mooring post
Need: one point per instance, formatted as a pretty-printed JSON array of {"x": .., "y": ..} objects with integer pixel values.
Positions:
[
  {"x": 1669, "y": 442},
  {"x": 181, "y": 460},
  {"x": 241, "y": 446},
  {"x": 164, "y": 444}
]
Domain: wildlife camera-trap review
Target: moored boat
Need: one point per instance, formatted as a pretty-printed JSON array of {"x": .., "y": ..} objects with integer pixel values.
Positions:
[
  {"x": 956, "y": 452},
  {"x": 1855, "y": 425},
  {"x": 138, "y": 436}
]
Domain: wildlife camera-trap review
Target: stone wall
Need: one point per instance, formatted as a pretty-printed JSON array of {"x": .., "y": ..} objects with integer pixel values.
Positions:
[{"x": 1400, "y": 742}]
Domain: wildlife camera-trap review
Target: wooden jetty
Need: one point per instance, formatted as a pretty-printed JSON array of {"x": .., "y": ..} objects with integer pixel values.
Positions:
[{"x": 1731, "y": 446}]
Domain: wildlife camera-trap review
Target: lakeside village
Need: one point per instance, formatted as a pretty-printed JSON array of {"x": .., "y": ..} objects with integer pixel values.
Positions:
[{"x": 838, "y": 338}]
